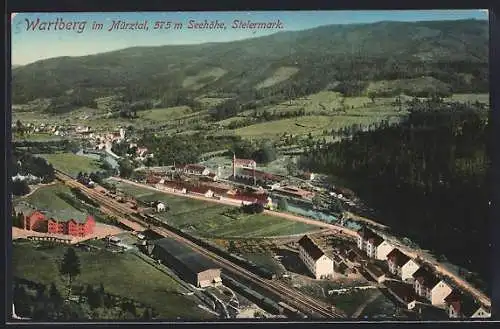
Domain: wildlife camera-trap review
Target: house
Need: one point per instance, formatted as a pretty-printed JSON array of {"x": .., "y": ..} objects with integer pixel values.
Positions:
[
  {"x": 75, "y": 225},
  {"x": 153, "y": 180},
  {"x": 62, "y": 222},
  {"x": 295, "y": 192},
  {"x": 194, "y": 169},
  {"x": 191, "y": 266},
  {"x": 315, "y": 259},
  {"x": 403, "y": 292},
  {"x": 244, "y": 163},
  {"x": 461, "y": 306},
  {"x": 374, "y": 245},
  {"x": 202, "y": 190},
  {"x": 249, "y": 198},
  {"x": 430, "y": 287},
  {"x": 34, "y": 221},
  {"x": 141, "y": 151},
  {"x": 309, "y": 176},
  {"x": 160, "y": 206},
  {"x": 401, "y": 265}
]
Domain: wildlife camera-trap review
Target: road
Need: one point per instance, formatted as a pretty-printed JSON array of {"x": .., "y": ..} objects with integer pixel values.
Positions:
[
  {"x": 335, "y": 228},
  {"x": 362, "y": 307},
  {"x": 460, "y": 282}
]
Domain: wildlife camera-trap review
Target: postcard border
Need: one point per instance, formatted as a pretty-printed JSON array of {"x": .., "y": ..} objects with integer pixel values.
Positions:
[{"x": 94, "y": 5}]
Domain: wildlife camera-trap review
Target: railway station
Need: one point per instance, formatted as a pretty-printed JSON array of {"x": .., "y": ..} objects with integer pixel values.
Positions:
[{"x": 189, "y": 265}]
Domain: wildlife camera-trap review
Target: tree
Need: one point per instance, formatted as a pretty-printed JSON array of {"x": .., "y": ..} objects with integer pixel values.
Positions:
[
  {"x": 232, "y": 246},
  {"x": 20, "y": 187},
  {"x": 126, "y": 168},
  {"x": 54, "y": 294},
  {"x": 146, "y": 315},
  {"x": 317, "y": 201},
  {"x": 22, "y": 301},
  {"x": 20, "y": 127},
  {"x": 282, "y": 204},
  {"x": 17, "y": 219},
  {"x": 70, "y": 267}
]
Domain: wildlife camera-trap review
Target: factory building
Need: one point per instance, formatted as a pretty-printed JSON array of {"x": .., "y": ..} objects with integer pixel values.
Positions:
[{"x": 189, "y": 265}]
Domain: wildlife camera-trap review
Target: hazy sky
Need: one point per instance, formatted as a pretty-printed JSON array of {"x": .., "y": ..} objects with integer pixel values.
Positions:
[{"x": 29, "y": 46}]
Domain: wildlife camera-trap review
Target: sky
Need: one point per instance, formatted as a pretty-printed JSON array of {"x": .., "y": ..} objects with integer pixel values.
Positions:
[{"x": 30, "y": 45}]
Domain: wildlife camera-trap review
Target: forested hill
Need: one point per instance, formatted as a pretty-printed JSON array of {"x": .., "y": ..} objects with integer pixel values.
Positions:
[
  {"x": 345, "y": 58},
  {"x": 427, "y": 177}
]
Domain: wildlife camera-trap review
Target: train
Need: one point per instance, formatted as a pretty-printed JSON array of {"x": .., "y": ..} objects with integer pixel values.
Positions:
[
  {"x": 265, "y": 302},
  {"x": 236, "y": 259}
]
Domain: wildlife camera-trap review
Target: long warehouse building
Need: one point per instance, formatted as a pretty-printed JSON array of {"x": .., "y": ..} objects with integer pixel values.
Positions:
[{"x": 191, "y": 266}]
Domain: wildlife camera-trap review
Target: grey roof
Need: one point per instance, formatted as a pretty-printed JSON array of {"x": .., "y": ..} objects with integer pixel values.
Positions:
[
  {"x": 24, "y": 207},
  {"x": 194, "y": 261},
  {"x": 65, "y": 215}
]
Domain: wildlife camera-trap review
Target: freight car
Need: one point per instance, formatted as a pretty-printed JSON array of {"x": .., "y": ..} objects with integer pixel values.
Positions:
[
  {"x": 238, "y": 260},
  {"x": 265, "y": 302}
]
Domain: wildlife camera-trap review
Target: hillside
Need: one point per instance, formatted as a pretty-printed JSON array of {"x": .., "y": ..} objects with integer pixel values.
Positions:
[{"x": 362, "y": 59}]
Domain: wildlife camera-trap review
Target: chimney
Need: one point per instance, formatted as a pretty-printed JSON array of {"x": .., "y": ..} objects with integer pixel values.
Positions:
[{"x": 234, "y": 165}]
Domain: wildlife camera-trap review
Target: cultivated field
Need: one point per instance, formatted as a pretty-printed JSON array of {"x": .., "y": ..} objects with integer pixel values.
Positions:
[
  {"x": 280, "y": 75},
  {"x": 164, "y": 114},
  {"x": 121, "y": 274},
  {"x": 71, "y": 163},
  {"x": 198, "y": 81},
  {"x": 215, "y": 220},
  {"x": 314, "y": 124},
  {"x": 327, "y": 110}
]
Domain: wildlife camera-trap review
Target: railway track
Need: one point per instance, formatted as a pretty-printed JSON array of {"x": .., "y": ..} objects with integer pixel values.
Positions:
[{"x": 303, "y": 302}]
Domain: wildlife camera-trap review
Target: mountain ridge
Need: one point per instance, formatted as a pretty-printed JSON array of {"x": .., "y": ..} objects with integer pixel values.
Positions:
[{"x": 385, "y": 50}]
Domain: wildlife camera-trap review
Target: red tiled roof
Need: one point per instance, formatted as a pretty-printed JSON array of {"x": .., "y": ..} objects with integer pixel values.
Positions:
[
  {"x": 245, "y": 162},
  {"x": 249, "y": 198},
  {"x": 199, "y": 189},
  {"x": 175, "y": 185},
  {"x": 195, "y": 167},
  {"x": 310, "y": 247},
  {"x": 153, "y": 180}
]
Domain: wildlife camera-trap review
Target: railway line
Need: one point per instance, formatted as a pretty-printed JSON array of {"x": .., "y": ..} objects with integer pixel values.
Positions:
[{"x": 304, "y": 303}]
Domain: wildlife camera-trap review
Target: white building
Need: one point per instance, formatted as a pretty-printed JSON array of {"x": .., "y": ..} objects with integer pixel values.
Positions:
[
  {"x": 401, "y": 265},
  {"x": 430, "y": 287},
  {"x": 373, "y": 244},
  {"x": 461, "y": 306},
  {"x": 160, "y": 206},
  {"x": 315, "y": 259},
  {"x": 194, "y": 169}
]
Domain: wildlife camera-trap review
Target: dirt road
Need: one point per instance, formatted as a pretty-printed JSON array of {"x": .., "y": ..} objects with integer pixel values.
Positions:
[
  {"x": 335, "y": 228},
  {"x": 362, "y": 307}
]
